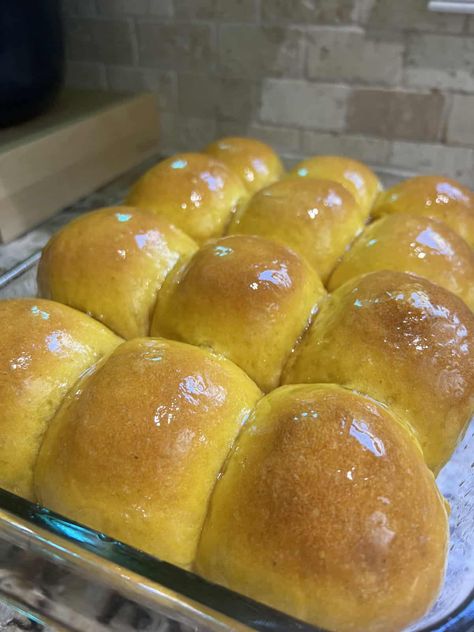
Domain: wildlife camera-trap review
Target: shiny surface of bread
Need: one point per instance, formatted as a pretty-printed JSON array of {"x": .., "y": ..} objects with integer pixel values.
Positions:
[
  {"x": 194, "y": 191},
  {"x": 136, "y": 448},
  {"x": 355, "y": 176},
  {"x": 44, "y": 348},
  {"x": 111, "y": 264},
  {"x": 244, "y": 296},
  {"x": 438, "y": 197},
  {"x": 411, "y": 243},
  {"x": 406, "y": 342},
  {"x": 326, "y": 510},
  {"x": 253, "y": 161},
  {"x": 317, "y": 218}
]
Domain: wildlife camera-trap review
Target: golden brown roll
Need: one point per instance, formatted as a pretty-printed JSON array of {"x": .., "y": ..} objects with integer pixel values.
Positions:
[
  {"x": 246, "y": 297},
  {"x": 111, "y": 264},
  {"x": 195, "y": 192},
  {"x": 355, "y": 176},
  {"x": 317, "y": 218},
  {"x": 326, "y": 510},
  {"x": 44, "y": 348},
  {"x": 411, "y": 243},
  {"x": 138, "y": 445},
  {"x": 404, "y": 341},
  {"x": 253, "y": 161},
  {"x": 434, "y": 196}
]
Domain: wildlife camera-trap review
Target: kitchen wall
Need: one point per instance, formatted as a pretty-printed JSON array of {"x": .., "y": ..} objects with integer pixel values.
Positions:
[{"x": 382, "y": 80}]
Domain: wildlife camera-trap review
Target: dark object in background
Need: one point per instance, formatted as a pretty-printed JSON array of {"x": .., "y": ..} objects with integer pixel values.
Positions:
[{"x": 31, "y": 57}]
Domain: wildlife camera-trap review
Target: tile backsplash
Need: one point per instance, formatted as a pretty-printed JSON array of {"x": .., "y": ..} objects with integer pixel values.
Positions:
[{"x": 385, "y": 81}]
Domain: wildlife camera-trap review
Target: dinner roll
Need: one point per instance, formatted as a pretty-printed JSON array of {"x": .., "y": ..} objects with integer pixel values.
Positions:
[
  {"x": 326, "y": 510},
  {"x": 246, "y": 297},
  {"x": 253, "y": 161},
  {"x": 411, "y": 243},
  {"x": 317, "y": 218},
  {"x": 44, "y": 348},
  {"x": 355, "y": 176},
  {"x": 403, "y": 340},
  {"x": 138, "y": 444},
  {"x": 193, "y": 191},
  {"x": 111, "y": 264},
  {"x": 434, "y": 196}
]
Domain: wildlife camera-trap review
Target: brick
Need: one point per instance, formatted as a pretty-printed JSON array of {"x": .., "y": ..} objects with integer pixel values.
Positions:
[
  {"x": 395, "y": 114},
  {"x": 225, "y": 10},
  {"x": 85, "y": 75},
  {"x": 222, "y": 97},
  {"x": 78, "y": 8},
  {"x": 157, "y": 8},
  {"x": 307, "y": 11},
  {"x": 253, "y": 51},
  {"x": 412, "y": 15},
  {"x": 440, "y": 61},
  {"x": 175, "y": 47},
  {"x": 374, "y": 151},
  {"x": 345, "y": 55},
  {"x": 129, "y": 79},
  {"x": 296, "y": 102},
  {"x": 461, "y": 120},
  {"x": 97, "y": 40},
  {"x": 457, "y": 162},
  {"x": 179, "y": 133}
]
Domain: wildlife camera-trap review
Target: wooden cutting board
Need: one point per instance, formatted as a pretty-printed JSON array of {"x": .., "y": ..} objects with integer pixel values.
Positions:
[{"x": 85, "y": 140}]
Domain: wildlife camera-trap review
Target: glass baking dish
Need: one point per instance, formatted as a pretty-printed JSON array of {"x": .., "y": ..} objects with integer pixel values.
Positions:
[{"x": 67, "y": 576}]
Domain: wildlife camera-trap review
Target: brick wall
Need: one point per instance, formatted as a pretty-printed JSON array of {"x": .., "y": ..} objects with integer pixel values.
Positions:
[{"x": 383, "y": 80}]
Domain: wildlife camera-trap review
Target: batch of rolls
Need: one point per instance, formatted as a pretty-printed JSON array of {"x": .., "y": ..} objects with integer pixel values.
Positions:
[{"x": 255, "y": 375}]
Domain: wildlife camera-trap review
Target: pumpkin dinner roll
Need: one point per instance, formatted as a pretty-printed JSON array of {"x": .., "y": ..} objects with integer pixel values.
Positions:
[
  {"x": 44, "y": 348},
  {"x": 355, "y": 176},
  {"x": 246, "y": 297},
  {"x": 404, "y": 341},
  {"x": 137, "y": 446},
  {"x": 317, "y": 218},
  {"x": 194, "y": 191},
  {"x": 253, "y": 161},
  {"x": 411, "y": 243},
  {"x": 437, "y": 197},
  {"x": 326, "y": 510},
  {"x": 111, "y": 263}
]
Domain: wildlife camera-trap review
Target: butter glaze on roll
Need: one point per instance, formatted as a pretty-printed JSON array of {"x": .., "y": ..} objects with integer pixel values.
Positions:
[
  {"x": 44, "y": 348},
  {"x": 253, "y": 161},
  {"x": 137, "y": 446},
  {"x": 404, "y": 341},
  {"x": 355, "y": 176},
  {"x": 111, "y": 264},
  {"x": 326, "y": 510},
  {"x": 411, "y": 243},
  {"x": 194, "y": 191},
  {"x": 437, "y": 197},
  {"x": 317, "y": 218},
  {"x": 244, "y": 296}
]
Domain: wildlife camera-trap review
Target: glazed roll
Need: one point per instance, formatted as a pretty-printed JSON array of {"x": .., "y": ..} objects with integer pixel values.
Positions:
[
  {"x": 326, "y": 510},
  {"x": 137, "y": 446},
  {"x": 404, "y": 341},
  {"x": 246, "y": 297},
  {"x": 195, "y": 192},
  {"x": 254, "y": 162},
  {"x": 44, "y": 348},
  {"x": 437, "y": 197},
  {"x": 355, "y": 176},
  {"x": 411, "y": 243},
  {"x": 318, "y": 219},
  {"x": 111, "y": 263}
]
